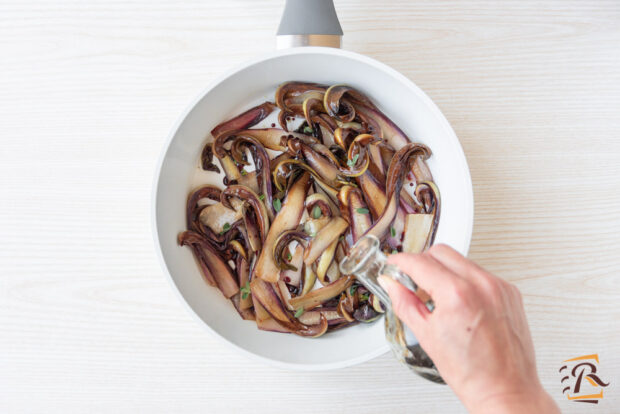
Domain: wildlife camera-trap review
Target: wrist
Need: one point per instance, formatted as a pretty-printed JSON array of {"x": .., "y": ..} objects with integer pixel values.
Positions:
[{"x": 515, "y": 403}]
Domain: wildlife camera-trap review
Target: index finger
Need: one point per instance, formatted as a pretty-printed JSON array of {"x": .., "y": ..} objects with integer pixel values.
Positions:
[{"x": 428, "y": 273}]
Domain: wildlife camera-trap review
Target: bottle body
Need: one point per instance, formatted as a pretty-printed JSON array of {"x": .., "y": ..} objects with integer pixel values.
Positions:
[
  {"x": 367, "y": 263},
  {"x": 407, "y": 349}
]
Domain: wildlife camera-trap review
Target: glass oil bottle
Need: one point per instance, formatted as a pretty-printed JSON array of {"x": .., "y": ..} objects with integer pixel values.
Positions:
[{"x": 366, "y": 262}]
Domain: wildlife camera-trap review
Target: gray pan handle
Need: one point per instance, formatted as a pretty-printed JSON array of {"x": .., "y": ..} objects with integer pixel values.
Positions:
[{"x": 309, "y": 23}]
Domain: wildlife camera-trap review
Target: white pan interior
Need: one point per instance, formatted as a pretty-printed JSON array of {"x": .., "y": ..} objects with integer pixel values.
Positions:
[{"x": 179, "y": 173}]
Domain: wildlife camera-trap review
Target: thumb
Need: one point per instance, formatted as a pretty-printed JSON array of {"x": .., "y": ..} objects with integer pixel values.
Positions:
[{"x": 406, "y": 305}]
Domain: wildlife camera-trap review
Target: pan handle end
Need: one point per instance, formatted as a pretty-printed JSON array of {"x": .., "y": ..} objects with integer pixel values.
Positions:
[{"x": 309, "y": 23}]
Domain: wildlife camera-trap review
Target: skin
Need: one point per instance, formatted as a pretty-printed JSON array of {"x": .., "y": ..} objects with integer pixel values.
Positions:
[{"x": 478, "y": 334}]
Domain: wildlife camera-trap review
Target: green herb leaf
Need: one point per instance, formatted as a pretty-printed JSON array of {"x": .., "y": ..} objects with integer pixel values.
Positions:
[
  {"x": 394, "y": 251},
  {"x": 364, "y": 297},
  {"x": 308, "y": 129},
  {"x": 393, "y": 231},
  {"x": 225, "y": 228},
  {"x": 352, "y": 289},
  {"x": 289, "y": 257},
  {"x": 261, "y": 197},
  {"x": 353, "y": 161},
  {"x": 245, "y": 290},
  {"x": 244, "y": 172},
  {"x": 316, "y": 212},
  {"x": 277, "y": 204},
  {"x": 299, "y": 312},
  {"x": 362, "y": 210}
]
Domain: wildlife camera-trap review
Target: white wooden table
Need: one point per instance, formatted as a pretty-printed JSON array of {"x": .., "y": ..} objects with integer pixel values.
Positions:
[{"x": 88, "y": 92}]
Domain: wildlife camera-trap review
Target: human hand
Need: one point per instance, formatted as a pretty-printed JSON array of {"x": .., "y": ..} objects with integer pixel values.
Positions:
[{"x": 477, "y": 335}]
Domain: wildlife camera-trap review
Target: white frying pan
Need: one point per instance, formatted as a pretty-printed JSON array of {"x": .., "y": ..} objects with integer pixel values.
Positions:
[{"x": 310, "y": 24}]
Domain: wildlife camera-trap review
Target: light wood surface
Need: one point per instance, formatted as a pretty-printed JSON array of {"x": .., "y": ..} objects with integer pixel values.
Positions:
[{"x": 88, "y": 93}]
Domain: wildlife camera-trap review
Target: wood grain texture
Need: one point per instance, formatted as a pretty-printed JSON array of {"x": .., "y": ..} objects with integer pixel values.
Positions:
[{"x": 89, "y": 91}]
